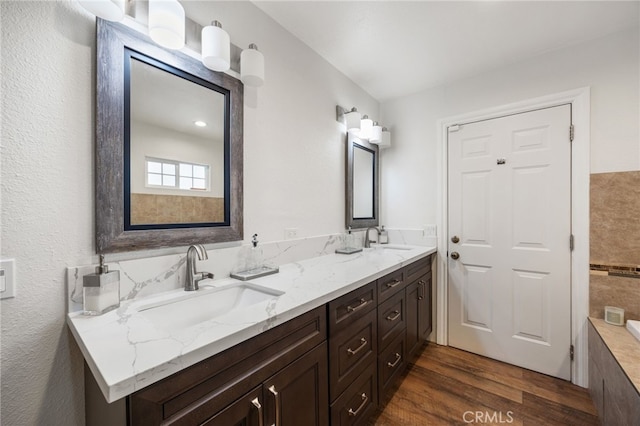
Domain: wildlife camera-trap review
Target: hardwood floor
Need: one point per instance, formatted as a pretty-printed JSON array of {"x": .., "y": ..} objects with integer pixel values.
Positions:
[{"x": 447, "y": 386}]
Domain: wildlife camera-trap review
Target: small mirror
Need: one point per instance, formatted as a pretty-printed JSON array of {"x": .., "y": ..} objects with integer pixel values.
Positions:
[
  {"x": 362, "y": 183},
  {"x": 169, "y": 150}
]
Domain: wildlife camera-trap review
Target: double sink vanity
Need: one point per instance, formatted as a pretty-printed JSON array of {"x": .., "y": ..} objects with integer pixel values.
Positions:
[{"x": 321, "y": 342}]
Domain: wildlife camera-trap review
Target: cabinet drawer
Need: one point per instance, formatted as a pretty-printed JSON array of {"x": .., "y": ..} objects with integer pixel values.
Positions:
[
  {"x": 390, "y": 285},
  {"x": 344, "y": 310},
  {"x": 391, "y": 364},
  {"x": 417, "y": 268},
  {"x": 350, "y": 352},
  {"x": 392, "y": 316},
  {"x": 359, "y": 401}
]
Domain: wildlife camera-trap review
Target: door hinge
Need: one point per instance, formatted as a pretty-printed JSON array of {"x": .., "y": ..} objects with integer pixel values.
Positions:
[
  {"x": 571, "y": 244},
  {"x": 571, "y": 354},
  {"x": 572, "y": 133}
]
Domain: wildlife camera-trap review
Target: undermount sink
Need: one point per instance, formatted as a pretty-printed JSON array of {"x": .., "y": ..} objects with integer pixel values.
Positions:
[
  {"x": 389, "y": 247},
  {"x": 192, "y": 308}
]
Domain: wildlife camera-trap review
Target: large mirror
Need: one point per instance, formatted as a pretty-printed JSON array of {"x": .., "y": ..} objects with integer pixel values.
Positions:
[
  {"x": 169, "y": 147},
  {"x": 362, "y": 183}
]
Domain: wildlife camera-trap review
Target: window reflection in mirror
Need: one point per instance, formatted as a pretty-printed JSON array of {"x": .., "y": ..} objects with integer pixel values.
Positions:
[{"x": 176, "y": 156}]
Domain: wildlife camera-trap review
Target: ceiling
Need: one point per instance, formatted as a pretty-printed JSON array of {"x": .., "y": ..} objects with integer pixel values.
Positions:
[{"x": 395, "y": 48}]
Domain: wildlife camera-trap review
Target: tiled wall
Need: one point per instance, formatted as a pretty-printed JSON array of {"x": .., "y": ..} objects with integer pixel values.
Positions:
[
  {"x": 152, "y": 209},
  {"x": 615, "y": 243}
]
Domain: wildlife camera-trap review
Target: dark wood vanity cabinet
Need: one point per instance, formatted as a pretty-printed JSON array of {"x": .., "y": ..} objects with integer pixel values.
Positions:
[
  {"x": 353, "y": 350},
  {"x": 336, "y": 364},
  {"x": 374, "y": 332},
  {"x": 285, "y": 368},
  {"x": 614, "y": 396}
]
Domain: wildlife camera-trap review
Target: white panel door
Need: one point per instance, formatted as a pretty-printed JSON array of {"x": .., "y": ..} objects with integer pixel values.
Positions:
[{"x": 510, "y": 213}]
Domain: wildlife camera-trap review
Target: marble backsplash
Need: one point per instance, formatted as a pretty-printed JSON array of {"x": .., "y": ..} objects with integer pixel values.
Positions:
[
  {"x": 615, "y": 243},
  {"x": 151, "y": 275}
]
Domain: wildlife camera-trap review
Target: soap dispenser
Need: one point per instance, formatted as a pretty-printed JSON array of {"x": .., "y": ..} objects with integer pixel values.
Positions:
[
  {"x": 384, "y": 236},
  {"x": 101, "y": 291},
  {"x": 255, "y": 255},
  {"x": 349, "y": 244}
]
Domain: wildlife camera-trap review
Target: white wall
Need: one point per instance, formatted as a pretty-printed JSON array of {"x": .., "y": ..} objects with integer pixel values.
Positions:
[
  {"x": 294, "y": 176},
  {"x": 610, "y": 65}
]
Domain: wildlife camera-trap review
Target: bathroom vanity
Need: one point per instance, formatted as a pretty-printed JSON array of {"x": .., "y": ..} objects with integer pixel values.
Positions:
[
  {"x": 614, "y": 373},
  {"x": 328, "y": 350}
]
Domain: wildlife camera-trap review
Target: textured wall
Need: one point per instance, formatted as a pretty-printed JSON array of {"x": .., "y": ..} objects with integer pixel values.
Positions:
[
  {"x": 47, "y": 199},
  {"x": 294, "y": 176}
]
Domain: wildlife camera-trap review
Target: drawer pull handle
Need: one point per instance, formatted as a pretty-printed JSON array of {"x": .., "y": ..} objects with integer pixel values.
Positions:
[
  {"x": 272, "y": 389},
  {"x": 362, "y": 404},
  {"x": 363, "y": 302},
  {"x": 256, "y": 403},
  {"x": 392, "y": 365},
  {"x": 394, "y": 316},
  {"x": 421, "y": 284},
  {"x": 363, "y": 343},
  {"x": 393, "y": 283}
]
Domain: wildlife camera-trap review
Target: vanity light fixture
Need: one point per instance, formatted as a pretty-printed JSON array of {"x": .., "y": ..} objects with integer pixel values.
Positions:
[
  {"x": 350, "y": 117},
  {"x": 376, "y": 133},
  {"x": 110, "y": 10},
  {"x": 252, "y": 66},
  {"x": 167, "y": 23},
  {"x": 366, "y": 126},
  {"x": 216, "y": 47},
  {"x": 386, "y": 138}
]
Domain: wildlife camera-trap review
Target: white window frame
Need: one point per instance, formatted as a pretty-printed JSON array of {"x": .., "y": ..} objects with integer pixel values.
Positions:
[{"x": 176, "y": 164}]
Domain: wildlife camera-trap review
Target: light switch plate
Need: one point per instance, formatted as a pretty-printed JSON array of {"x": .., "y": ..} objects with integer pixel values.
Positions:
[{"x": 7, "y": 278}]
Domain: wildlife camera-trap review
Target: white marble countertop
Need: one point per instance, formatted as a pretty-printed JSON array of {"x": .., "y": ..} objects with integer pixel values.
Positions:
[{"x": 126, "y": 351}]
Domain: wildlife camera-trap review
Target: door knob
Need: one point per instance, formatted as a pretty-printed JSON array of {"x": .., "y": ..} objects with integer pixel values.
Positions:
[
  {"x": 455, "y": 255},
  {"x": 455, "y": 239}
]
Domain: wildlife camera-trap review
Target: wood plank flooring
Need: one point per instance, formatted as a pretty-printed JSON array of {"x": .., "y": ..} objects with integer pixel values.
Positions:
[{"x": 447, "y": 386}]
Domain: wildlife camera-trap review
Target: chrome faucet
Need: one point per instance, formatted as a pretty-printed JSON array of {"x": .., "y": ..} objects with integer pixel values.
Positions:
[
  {"x": 367, "y": 242},
  {"x": 193, "y": 278}
]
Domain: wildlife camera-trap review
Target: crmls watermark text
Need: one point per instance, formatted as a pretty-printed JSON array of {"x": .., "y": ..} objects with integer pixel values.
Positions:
[{"x": 487, "y": 417}]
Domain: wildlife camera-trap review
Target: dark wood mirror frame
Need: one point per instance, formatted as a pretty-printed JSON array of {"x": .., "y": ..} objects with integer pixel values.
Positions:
[
  {"x": 351, "y": 221},
  {"x": 111, "y": 236}
]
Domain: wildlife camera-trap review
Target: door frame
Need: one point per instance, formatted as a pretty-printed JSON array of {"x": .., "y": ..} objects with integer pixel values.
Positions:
[{"x": 580, "y": 100}]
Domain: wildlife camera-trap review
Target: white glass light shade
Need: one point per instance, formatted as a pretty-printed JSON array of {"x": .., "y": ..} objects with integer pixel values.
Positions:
[
  {"x": 166, "y": 23},
  {"x": 216, "y": 47},
  {"x": 111, "y": 10},
  {"x": 385, "y": 142},
  {"x": 366, "y": 124},
  {"x": 252, "y": 66},
  {"x": 353, "y": 118},
  {"x": 376, "y": 133}
]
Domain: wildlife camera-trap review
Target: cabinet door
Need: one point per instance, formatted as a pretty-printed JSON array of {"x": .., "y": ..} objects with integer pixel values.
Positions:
[
  {"x": 424, "y": 306},
  {"x": 298, "y": 394},
  {"x": 246, "y": 411},
  {"x": 413, "y": 338}
]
